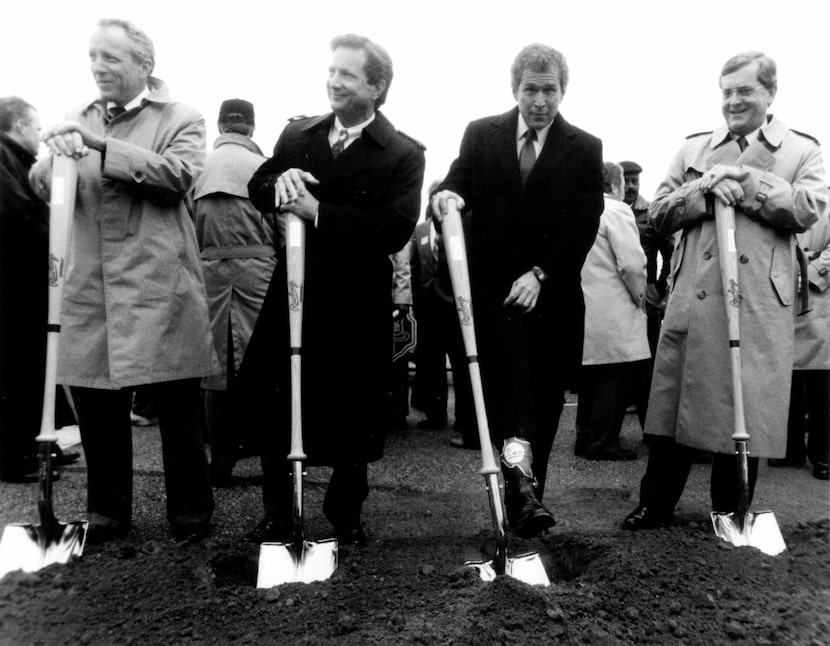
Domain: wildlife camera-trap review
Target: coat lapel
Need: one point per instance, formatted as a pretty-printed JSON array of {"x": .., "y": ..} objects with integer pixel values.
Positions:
[
  {"x": 504, "y": 141},
  {"x": 557, "y": 145}
]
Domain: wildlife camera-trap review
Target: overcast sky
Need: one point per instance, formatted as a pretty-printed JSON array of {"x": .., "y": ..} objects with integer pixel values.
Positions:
[{"x": 643, "y": 74}]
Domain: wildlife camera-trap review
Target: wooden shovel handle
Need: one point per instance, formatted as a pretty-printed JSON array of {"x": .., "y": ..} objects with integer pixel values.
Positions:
[
  {"x": 61, "y": 209},
  {"x": 453, "y": 233},
  {"x": 295, "y": 270},
  {"x": 728, "y": 255}
]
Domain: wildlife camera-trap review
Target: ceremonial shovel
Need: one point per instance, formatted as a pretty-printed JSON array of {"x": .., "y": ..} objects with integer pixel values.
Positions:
[
  {"x": 741, "y": 528},
  {"x": 30, "y": 547},
  {"x": 526, "y": 567},
  {"x": 298, "y": 561}
]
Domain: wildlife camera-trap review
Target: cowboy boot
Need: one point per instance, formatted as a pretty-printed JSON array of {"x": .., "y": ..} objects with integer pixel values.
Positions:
[{"x": 525, "y": 514}]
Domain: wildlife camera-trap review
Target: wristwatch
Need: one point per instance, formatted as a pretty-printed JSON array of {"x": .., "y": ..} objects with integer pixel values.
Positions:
[{"x": 541, "y": 276}]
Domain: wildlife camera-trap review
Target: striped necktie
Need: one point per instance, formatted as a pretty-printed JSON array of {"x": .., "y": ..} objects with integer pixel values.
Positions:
[
  {"x": 527, "y": 156},
  {"x": 340, "y": 145}
]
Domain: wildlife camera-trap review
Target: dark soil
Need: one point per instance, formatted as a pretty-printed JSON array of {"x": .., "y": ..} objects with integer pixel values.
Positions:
[{"x": 428, "y": 514}]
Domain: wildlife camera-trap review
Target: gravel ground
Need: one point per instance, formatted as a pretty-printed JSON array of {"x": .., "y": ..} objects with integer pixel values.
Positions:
[{"x": 428, "y": 514}]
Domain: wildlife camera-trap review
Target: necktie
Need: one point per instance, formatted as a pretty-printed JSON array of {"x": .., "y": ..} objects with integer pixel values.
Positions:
[
  {"x": 113, "y": 112},
  {"x": 340, "y": 145},
  {"x": 742, "y": 143},
  {"x": 527, "y": 156}
]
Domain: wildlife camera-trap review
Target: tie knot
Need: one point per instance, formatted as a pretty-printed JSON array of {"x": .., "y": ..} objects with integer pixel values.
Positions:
[
  {"x": 742, "y": 143},
  {"x": 530, "y": 135},
  {"x": 344, "y": 134},
  {"x": 114, "y": 111}
]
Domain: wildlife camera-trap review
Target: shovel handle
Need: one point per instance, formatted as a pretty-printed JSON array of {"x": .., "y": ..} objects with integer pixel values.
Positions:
[
  {"x": 61, "y": 209},
  {"x": 728, "y": 255},
  {"x": 460, "y": 277},
  {"x": 295, "y": 271}
]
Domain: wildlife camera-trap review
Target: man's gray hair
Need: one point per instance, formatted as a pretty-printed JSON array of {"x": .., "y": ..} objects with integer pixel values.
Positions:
[
  {"x": 767, "y": 70},
  {"x": 12, "y": 109},
  {"x": 539, "y": 58},
  {"x": 144, "y": 53},
  {"x": 612, "y": 177}
]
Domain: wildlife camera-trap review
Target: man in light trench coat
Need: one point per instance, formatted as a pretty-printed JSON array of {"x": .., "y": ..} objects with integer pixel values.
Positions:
[
  {"x": 135, "y": 310},
  {"x": 774, "y": 178}
]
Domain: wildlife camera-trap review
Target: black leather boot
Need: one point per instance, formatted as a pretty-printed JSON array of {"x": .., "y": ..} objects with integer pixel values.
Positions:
[{"x": 525, "y": 514}]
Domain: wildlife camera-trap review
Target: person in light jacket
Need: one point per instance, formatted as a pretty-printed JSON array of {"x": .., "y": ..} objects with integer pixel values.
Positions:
[
  {"x": 774, "y": 178},
  {"x": 135, "y": 310},
  {"x": 616, "y": 340}
]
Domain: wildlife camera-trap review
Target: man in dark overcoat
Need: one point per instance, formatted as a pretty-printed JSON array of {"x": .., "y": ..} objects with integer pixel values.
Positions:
[
  {"x": 356, "y": 182},
  {"x": 534, "y": 185}
]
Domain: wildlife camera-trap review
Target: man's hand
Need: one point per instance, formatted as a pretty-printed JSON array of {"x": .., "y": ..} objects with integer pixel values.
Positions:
[
  {"x": 292, "y": 196},
  {"x": 72, "y": 139},
  {"x": 724, "y": 182},
  {"x": 524, "y": 292},
  {"x": 439, "y": 203}
]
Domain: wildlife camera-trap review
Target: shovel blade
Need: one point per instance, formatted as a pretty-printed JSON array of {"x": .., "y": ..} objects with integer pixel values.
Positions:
[
  {"x": 527, "y": 568},
  {"x": 283, "y": 563},
  {"x": 30, "y": 547},
  {"x": 760, "y": 530}
]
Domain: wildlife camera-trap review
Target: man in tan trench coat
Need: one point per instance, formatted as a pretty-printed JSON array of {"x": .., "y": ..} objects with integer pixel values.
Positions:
[
  {"x": 774, "y": 178},
  {"x": 135, "y": 310}
]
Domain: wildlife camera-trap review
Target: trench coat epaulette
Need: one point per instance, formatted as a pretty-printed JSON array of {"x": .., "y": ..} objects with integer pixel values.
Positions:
[
  {"x": 698, "y": 134},
  {"x": 804, "y": 134},
  {"x": 412, "y": 139},
  {"x": 297, "y": 117}
]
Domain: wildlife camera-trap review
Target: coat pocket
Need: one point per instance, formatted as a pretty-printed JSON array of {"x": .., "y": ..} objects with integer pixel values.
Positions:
[{"x": 781, "y": 274}]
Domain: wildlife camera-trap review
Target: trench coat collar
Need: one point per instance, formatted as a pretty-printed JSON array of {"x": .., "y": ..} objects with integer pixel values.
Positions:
[
  {"x": 158, "y": 94},
  {"x": 772, "y": 132},
  {"x": 380, "y": 130},
  {"x": 557, "y": 145},
  {"x": 239, "y": 140}
]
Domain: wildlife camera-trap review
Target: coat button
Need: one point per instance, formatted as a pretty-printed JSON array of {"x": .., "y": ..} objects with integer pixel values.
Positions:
[
  {"x": 706, "y": 255},
  {"x": 744, "y": 259},
  {"x": 701, "y": 294}
]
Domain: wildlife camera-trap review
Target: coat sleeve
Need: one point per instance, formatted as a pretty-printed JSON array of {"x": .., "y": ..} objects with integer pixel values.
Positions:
[
  {"x": 792, "y": 205},
  {"x": 630, "y": 258},
  {"x": 679, "y": 203},
  {"x": 169, "y": 172}
]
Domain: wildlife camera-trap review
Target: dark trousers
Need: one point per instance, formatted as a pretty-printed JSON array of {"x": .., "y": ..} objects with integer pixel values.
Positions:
[
  {"x": 668, "y": 469},
  {"x": 524, "y": 390},
  {"x": 106, "y": 434},
  {"x": 439, "y": 335},
  {"x": 604, "y": 393},
  {"x": 347, "y": 490},
  {"x": 654, "y": 319},
  {"x": 809, "y": 414}
]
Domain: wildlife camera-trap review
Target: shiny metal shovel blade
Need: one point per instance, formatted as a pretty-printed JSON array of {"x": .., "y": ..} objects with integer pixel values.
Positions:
[
  {"x": 527, "y": 568},
  {"x": 760, "y": 530},
  {"x": 29, "y": 547},
  {"x": 283, "y": 563}
]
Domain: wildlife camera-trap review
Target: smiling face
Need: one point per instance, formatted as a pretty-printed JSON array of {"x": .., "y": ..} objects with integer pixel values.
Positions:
[
  {"x": 120, "y": 78},
  {"x": 351, "y": 96},
  {"x": 539, "y": 95},
  {"x": 744, "y": 100}
]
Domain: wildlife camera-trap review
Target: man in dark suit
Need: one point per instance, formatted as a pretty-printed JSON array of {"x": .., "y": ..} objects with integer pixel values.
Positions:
[
  {"x": 534, "y": 185},
  {"x": 356, "y": 181}
]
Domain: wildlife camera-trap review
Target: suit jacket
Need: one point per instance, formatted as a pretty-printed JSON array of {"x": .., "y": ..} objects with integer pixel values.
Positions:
[
  {"x": 369, "y": 203},
  {"x": 550, "y": 222}
]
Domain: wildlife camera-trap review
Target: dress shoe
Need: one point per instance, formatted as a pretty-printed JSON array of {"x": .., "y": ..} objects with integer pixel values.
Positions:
[
  {"x": 620, "y": 455},
  {"x": 219, "y": 478},
  {"x": 821, "y": 471},
  {"x": 140, "y": 420},
  {"x": 26, "y": 478},
  {"x": 525, "y": 514},
  {"x": 459, "y": 443},
  {"x": 64, "y": 458},
  {"x": 432, "y": 424},
  {"x": 190, "y": 532},
  {"x": 785, "y": 462},
  {"x": 350, "y": 534},
  {"x": 397, "y": 423},
  {"x": 96, "y": 534},
  {"x": 269, "y": 531},
  {"x": 645, "y": 518}
]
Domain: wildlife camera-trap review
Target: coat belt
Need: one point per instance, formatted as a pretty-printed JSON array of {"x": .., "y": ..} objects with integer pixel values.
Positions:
[{"x": 239, "y": 251}]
